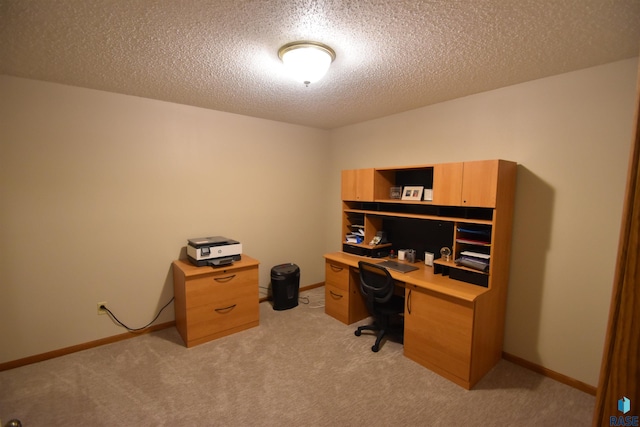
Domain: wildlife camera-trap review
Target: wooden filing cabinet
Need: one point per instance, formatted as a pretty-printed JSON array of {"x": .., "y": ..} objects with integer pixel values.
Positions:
[
  {"x": 212, "y": 303},
  {"x": 342, "y": 293}
]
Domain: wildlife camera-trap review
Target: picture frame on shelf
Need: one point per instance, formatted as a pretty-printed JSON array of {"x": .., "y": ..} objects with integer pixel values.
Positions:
[
  {"x": 412, "y": 192},
  {"x": 395, "y": 192}
]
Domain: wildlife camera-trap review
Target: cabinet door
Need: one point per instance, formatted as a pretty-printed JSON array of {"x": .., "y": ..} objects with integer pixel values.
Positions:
[
  {"x": 480, "y": 184},
  {"x": 438, "y": 332},
  {"x": 357, "y": 184},
  {"x": 471, "y": 184},
  {"x": 447, "y": 184}
]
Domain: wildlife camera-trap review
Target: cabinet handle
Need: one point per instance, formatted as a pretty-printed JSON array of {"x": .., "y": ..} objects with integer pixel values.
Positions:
[
  {"x": 333, "y": 294},
  {"x": 225, "y": 309},
  {"x": 224, "y": 279},
  {"x": 409, "y": 302},
  {"x": 336, "y": 268}
]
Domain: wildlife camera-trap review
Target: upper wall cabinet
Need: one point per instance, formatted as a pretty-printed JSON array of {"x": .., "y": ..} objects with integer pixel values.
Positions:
[
  {"x": 472, "y": 184},
  {"x": 357, "y": 185},
  {"x": 464, "y": 184},
  {"x": 480, "y": 183}
]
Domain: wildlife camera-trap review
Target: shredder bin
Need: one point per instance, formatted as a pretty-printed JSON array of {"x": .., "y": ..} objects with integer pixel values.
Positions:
[{"x": 285, "y": 286}]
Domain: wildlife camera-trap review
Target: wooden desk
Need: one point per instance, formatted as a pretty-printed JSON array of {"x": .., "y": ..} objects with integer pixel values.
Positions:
[{"x": 450, "y": 327}]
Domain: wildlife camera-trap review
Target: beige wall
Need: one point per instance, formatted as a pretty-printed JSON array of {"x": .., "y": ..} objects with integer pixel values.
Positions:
[
  {"x": 571, "y": 136},
  {"x": 99, "y": 192}
]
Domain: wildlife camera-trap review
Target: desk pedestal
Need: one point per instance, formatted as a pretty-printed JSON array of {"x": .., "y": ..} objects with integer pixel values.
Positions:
[{"x": 342, "y": 293}]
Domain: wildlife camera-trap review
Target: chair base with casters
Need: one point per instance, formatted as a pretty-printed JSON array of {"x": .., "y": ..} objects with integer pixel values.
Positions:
[
  {"x": 391, "y": 331},
  {"x": 377, "y": 289}
]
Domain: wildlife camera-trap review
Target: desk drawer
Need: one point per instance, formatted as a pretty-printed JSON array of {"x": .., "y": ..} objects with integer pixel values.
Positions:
[
  {"x": 336, "y": 302},
  {"x": 337, "y": 275},
  {"x": 217, "y": 288},
  {"x": 346, "y": 306}
]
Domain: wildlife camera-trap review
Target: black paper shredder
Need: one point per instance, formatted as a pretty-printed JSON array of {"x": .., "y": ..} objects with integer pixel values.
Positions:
[{"x": 285, "y": 286}]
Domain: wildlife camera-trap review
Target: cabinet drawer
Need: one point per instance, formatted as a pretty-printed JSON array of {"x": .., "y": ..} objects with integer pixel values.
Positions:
[
  {"x": 229, "y": 310},
  {"x": 337, "y": 275},
  {"x": 336, "y": 303},
  {"x": 220, "y": 287}
]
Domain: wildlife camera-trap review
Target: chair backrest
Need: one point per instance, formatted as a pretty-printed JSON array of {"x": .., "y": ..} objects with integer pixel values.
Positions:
[{"x": 376, "y": 284}]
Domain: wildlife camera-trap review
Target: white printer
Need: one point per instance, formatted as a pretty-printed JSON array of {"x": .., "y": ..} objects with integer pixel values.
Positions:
[{"x": 215, "y": 251}]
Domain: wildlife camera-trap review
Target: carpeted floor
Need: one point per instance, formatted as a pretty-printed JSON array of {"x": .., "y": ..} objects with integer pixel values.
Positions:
[{"x": 299, "y": 367}]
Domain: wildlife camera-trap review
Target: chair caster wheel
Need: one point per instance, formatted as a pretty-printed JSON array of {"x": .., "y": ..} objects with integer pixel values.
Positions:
[
  {"x": 358, "y": 332},
  {"x": 375, "y": 348}
]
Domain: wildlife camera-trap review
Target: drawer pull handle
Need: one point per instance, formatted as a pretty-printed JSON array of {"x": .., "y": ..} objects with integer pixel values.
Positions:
[
  {"x": 224, "y": 279},
  {"x": 225, "y": 309},
  {"x": 336, "y": 268},
  {"x": 333, "y": 294}
]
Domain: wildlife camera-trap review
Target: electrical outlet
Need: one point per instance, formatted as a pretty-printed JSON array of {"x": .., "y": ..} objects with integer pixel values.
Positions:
[{"x": 101, "y": 310}]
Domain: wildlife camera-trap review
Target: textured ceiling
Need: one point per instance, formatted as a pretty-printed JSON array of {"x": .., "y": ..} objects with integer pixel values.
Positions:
[{"x": 392, "y": 56}]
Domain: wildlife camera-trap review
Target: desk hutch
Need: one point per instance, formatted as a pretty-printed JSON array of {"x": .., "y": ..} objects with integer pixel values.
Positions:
[{"x": 454, "y": 315}]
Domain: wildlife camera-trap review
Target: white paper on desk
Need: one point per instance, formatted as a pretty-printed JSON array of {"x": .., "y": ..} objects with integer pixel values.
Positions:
[{"x": 475, "y": 254}]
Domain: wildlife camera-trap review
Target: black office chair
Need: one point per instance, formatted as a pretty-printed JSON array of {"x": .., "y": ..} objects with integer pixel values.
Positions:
[{"x": 376, "y": 287}]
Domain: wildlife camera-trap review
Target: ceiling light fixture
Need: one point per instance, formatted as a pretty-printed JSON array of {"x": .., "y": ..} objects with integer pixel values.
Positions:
[{"x": 306, "y": 61}]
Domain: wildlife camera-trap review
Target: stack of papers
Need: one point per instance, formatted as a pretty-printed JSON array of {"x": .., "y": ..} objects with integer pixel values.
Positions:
[
  {"x": 353, "y": 238},
  {"x": 356, "y": 236},
  {"x": 475, "y": 260}
]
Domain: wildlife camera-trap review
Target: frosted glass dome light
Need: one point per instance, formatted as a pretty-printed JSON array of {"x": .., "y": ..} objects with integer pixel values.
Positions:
[{"x": 306, "y": 62}]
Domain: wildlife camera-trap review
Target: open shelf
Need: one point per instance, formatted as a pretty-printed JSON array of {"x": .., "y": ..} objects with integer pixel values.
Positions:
[{"x": 421, "y": 216}]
